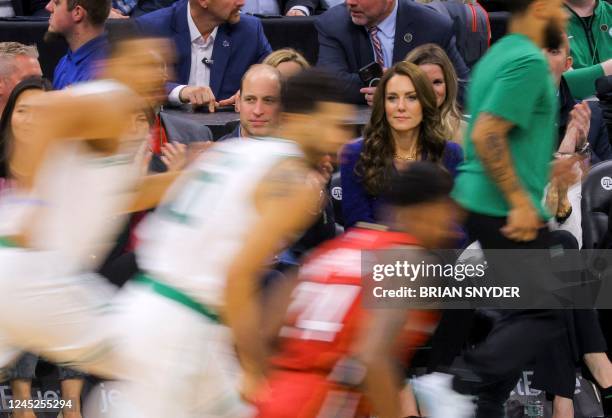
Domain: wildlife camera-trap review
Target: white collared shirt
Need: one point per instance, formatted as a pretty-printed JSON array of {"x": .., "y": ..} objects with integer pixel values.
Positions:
[
  {"x": 201, "y": 49},
  {"x": 386, "y": 35}
]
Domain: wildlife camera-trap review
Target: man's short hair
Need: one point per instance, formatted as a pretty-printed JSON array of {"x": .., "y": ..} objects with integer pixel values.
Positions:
[
  {"x": 518, "y": 6},
  {"x": 10, "y": 50},
  {"x": 302, "y": 92},
  {"x": 97, "y": 10},
  {"x": 260, "y": 67}
]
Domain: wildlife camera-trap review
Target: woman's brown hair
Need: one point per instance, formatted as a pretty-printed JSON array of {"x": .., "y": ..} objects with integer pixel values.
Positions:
[{"x": 376, "y": 160}]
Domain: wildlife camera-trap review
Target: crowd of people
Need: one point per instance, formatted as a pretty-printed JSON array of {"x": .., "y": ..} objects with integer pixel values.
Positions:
[{"x": 215, "y": 278}]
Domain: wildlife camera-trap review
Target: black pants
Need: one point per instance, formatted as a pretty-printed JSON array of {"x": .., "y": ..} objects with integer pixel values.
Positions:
[{"x": 493, "y": 368}]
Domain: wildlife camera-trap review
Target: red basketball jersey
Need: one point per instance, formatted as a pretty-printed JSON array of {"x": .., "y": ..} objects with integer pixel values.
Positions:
[{"x": 325, "y": 313}]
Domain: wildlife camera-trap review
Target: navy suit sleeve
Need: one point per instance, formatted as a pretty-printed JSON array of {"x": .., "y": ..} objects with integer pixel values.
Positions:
[
  {"x": 598, "y": 136},
  {"x": 264, "y": 48},
  {"x": 357, "y": 204},
  {"x": 462, "y": 70},
  {"x": 333, "y": 57}
]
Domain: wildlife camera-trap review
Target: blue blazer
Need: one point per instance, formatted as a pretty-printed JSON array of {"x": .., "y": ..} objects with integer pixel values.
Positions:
[
  {"x": 344, "y": 47},
  {"x": 236, "y": 47},
  {"x": 360, "y": 206}
]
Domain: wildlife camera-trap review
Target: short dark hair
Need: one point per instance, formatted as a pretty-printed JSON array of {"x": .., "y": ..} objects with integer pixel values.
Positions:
[
  {"x": 6, "y": 130},
  {"x": 97, "y": 10},
  {"x": 518, "y": 7},
  {"x": 302, "y": 92},
  {"x": 421, "y": 182}
]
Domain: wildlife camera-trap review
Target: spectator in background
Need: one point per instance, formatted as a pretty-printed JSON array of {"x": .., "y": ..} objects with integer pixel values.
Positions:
[
  {"x": 405, "y": 126},
  {"x": 287, "y": 61},
  {"x": 435, "y": 63},
  {"x": 17, "y": 62},
  {"x": 560, "y": 61},
  {"x": 590, "y": 31},
  {"x": 15, "y": 125},
  {"x": 10, "y": 8},
  {"x": 215, "y": 46},
  {"x": 259, "y": 103},
  {"x": 354, "y": 35},
  {"x": 81, "y": 24}
]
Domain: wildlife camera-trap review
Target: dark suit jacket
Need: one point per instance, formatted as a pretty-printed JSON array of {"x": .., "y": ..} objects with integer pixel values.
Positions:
[
  {"x": 236, "y": 47},
  {"x": 30, "y": 7},
  {"x": 344, "y": 47}
]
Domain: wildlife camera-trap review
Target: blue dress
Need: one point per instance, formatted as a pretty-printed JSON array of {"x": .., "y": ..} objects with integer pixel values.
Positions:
[{"x": 360, "y": 206}]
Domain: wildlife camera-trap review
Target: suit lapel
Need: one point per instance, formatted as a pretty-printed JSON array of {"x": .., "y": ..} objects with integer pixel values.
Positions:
[
  {"x": 182, "y": 38},
  {"x": 222, "y": 51},
  {"x": 405, "y": 33},
  {"x": 364, "y": 52}
]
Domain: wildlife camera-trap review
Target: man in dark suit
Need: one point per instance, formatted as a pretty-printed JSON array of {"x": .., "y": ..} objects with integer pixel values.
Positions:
[
  {"x": 215, "y": 46},
  {"x": 346, "y": 41}
]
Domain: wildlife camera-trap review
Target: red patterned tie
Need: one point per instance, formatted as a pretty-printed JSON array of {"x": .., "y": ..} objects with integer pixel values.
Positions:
[{"x": 378, "y": 52}]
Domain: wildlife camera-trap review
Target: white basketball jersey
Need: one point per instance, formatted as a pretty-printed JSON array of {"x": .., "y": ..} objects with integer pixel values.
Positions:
[
  {"x": 77, "y": 197},
  {"x": 191, "y": 239}
]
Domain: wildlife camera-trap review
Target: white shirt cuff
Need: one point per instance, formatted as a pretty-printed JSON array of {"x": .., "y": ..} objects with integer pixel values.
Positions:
[
  {"x": 303, "y": 9},
  {"x": 174, "y": 96}
]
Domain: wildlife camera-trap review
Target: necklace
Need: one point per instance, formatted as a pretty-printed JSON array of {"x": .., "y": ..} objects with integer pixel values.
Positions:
[{"x": 408, "y": 158}]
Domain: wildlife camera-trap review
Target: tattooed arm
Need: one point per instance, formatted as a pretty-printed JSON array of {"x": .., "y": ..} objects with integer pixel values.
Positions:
[
  {"x": 284, "y": 202},
  {"x": 490, "y": 137}
]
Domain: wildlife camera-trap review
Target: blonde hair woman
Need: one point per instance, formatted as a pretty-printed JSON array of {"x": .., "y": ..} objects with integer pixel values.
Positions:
[
  {"x": 287, "y": 61},
  {"x": 435, "y": 63}
]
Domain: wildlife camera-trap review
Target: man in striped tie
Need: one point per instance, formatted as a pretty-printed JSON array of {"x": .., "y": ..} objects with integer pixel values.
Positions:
[{"x": 360, "y": 32}]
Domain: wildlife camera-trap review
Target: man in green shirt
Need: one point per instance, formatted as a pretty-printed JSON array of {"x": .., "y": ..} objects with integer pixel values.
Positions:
[
  {"x": 508, "y": 151},
  {"x": 590, "y": 32}
]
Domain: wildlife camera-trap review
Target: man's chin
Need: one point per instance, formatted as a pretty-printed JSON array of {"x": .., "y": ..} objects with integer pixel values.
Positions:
[{"x": 53, "y": 36}]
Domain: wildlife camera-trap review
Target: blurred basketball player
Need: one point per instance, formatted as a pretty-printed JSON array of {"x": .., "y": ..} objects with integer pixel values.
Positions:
[
  {"x": 75, "y": 174},
  {"x": 336, "y": 358},
  {"x": 202, "y": 252}
]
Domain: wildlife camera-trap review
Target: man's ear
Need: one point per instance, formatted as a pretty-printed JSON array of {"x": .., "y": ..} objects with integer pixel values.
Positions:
[
  {"x": 237, "y": 103},
  {"x": 78, "y": 14},
  {"x": 569, "y": 62}
]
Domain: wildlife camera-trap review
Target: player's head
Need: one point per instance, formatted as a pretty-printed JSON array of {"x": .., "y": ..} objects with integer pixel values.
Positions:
[
  {"x": 259, "y": 103},
  {"x": 416, "y": 201},
  {"x": 546, "y": 16},
  {"x": 313, "y": 113},
  {"x": 144, "y": 65}
]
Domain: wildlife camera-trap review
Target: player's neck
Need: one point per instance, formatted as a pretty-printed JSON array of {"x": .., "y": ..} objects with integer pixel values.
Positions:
[
  {"x": 523, "y": 25},
  {"x": 583, "y": 8}
]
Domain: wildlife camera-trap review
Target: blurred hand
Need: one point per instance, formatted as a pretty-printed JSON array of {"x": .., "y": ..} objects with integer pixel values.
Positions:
[
  {"x": 174, "y": 156},
  {"x": 326, "y": 168},
  {"x": 143, "y": 159},
  {"x": 199, "y": 96},
  {"x": 230, "y": 100},
  {"x": 116, "y": 14},
  {"x": 369, "y": 94},
  {"x": 253, "y": 388},
  {"x": 522, "y": 223},
  {"x": 295, "y": 12},
  {"x": 580, "y": 122},
  {"x": 563, "y": 173}
]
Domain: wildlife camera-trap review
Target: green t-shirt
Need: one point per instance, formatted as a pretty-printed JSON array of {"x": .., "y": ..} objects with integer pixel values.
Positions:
[
  {"x": 591, "y": 42},
  {"x": 512, "y": 81}
]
